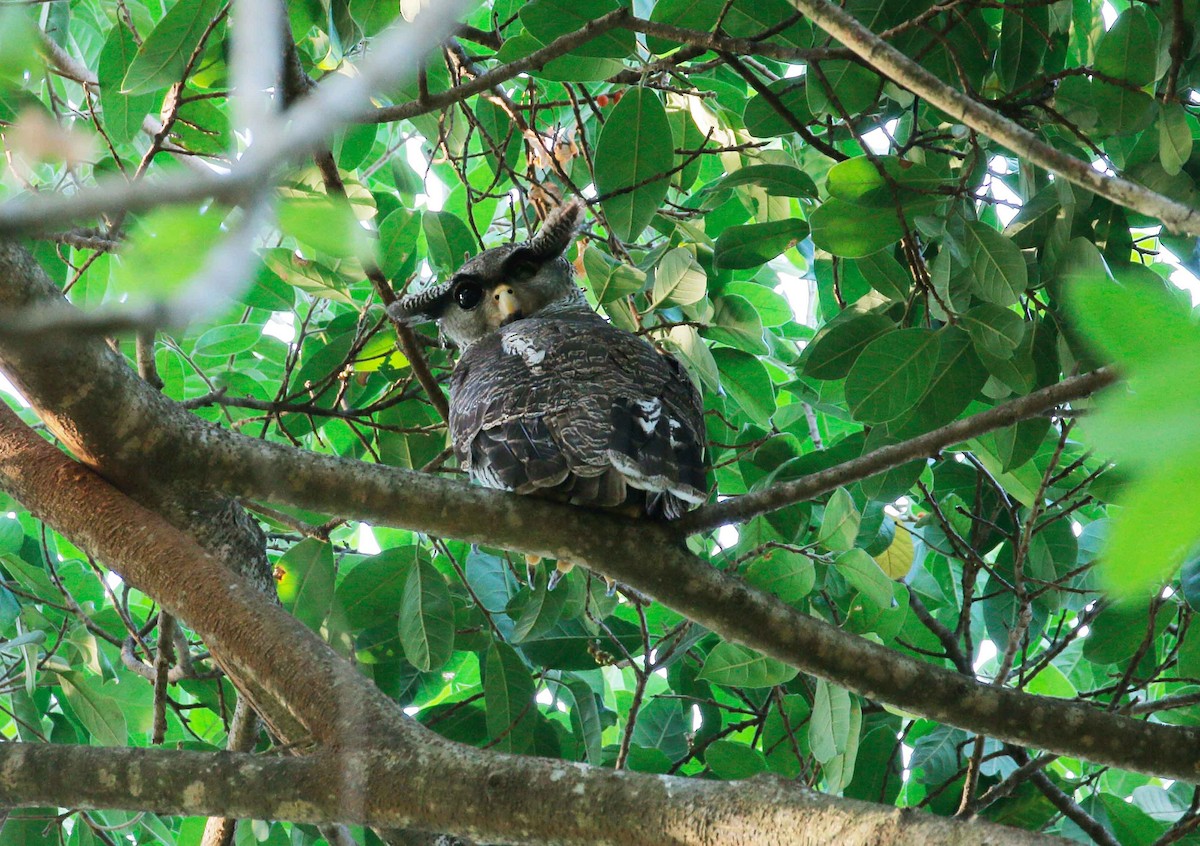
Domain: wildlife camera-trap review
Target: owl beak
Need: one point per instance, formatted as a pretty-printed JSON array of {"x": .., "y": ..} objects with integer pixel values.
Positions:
[{"x": 508, "y": 308}]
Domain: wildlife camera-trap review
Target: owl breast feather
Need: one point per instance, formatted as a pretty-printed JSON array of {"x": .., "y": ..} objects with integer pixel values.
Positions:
[{"x": 573, "y": 408}]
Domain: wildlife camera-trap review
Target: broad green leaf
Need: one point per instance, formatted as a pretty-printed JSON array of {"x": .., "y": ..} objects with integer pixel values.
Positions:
[
  {"x": 1023, "y": 43},
  {"x": 763, "y": 120},
  {"x": 660, "y": 725},
  {"x": 1174, "y": 138},
  {"x": 374, "y": 589},
  {"x": 745, "y": 379},
  {"x": 426, "y": 618},
  {"x": 570, "y": 645},
  {"x": 848, "y": 88},
  {"x": 736, "y": 666},
  {"x": 736, "y": 322},
  {"x": 997, "y": 266},
  {"x": 892, "y": 374},
  {"x": 324, "y": 224},
  {"x": 829, "y": 728},
  {"x": 772, "y": 308},
  {"x": 18, "y": 50},
  {"x": 508, "y": 698},
  {"x": 994, "y": 330},
  {"x": 836, "y": 347},
  {"x": 859, "y": 181},
  {"x": 165, "y": 248},
  {"x": 634, "y": 148},
  {"x": 610, "y": 280},
  {"x": 450, "y": 240},
  {"x": 304, "y": 579},
  {"x": 123, "y": 113},
  {"x": 679, "y": 279},
  {"x": 549, "y": 19},
  {"x": 731, "y": 761},
  {"x": 740, "y": 247},
  {"x": 164, "y": 54},
  {"x": 538, "y": 610},
  {"x": 853, "y": 231},
  {"x": 1120, "y": 110},
  {"x": 958, "y": 377},
  {"x": 1129, "y": 50},
  {"x": 839, "y": 526},
  {"x": 789, "y": 575},
  {"x": 885, "y": 275},
  {"x": 776, "y": 180},
  {"x": 228, "y": 340},
  {"x": 1147, "y": 545},
  {"x": 100, "y": 714},
  {"x": 862, "y": 571}
]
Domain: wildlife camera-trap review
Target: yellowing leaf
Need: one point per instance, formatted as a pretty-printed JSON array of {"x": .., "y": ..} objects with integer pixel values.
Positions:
[{"x": 897, "y": 559}]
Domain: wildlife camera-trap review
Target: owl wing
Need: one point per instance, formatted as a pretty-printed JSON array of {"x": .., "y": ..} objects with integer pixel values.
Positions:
[{"x": 579, "y": 410}]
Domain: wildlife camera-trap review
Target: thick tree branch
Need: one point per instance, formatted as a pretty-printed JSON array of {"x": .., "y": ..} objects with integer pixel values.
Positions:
[
  {"x": 742, "y": 508},
  {"x": 131, "y": 432},
  {"x": 894, "y": 65},
  {"x": 489, "y": 796}
]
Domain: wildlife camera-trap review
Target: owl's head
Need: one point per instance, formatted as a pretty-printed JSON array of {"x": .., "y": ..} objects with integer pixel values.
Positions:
[{"x": 502, "y": 284}]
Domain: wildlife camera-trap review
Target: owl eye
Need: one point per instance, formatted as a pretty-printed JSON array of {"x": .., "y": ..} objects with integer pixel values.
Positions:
[{"x": 468, "y": 295}]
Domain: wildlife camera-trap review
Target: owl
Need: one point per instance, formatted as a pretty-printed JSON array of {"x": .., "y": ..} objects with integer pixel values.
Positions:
[{"x": 548, "y": 398}]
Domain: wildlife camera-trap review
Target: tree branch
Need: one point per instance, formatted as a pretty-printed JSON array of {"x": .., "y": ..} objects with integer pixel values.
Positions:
[
  {"x": 487, "y": 796},
  {"x": 742, "y": 508},
  {"x": 894, "y": 65}
]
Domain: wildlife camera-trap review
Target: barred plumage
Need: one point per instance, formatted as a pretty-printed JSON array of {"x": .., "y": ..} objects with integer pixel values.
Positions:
[{"x": 548, "y": 398}]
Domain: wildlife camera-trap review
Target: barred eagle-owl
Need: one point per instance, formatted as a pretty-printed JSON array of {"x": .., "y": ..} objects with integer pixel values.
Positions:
[{"x": 548, "y": 398}]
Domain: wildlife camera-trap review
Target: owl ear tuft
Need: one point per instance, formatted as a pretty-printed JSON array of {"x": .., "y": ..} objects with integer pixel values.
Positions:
[
  {"x": 556, "y": 232},
  {"x": 420, "y": 307}
]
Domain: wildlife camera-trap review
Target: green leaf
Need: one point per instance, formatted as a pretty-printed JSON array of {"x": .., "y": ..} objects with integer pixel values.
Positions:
[
  {"x": 736, "y": 666},
  {"x": 326, "y": 225},
  {"x": 100, "y": 714},
  {"x": 829, "y": 728},
  {"x": 789, "y": 575},
  {"x": 736, "y": 322},
  {"x": 679, "y": 279},
  {"x": 892, "y": 374},
  {"x": 1174, "y": 138},
  {"x": 848, "y": 88},
  {"x": 745, "y": 379},
  {"x": 1023, "y": 43},
  {"x": 885, "y": 275},
  {"x": 859, "y": 181},
  {"x": 731, "y": 761},
  {"x": 508, "y": 698},
  {"x": 537, "y": 611},
  {"x": 853, "y": 231},
  {"x": 610, "y": 280},
  {"x": 776, "y": 180},
  {"x": 634, "y": 148},
  {"x": 1145, "y": 546},
  {"x": 1120, "y": 110},
  {"x": 165, "y": 248},
  {"x": 450, "y": 240},
  {"x": 398, "y": 234},
  {"x": 165, "y": 53},
  {"x": 1129, "y": 50},
  {"x": 764, "y": 121},
  {"x": 548, "y": 19},
  {"x": 228, "y": 340},
  {"x": 997, "y": 266},
  {"x": 757, "y": 243},
  {"x": 426, "y": 618},
  {"x": 836, "y": 347},
  {"x": 304, "y": 579},
  {"x": 994, "y": 330},
  {"x": 374, "y": 589},
  {"x": 839, "y": 526},
  {"x": 123, "y": 114},
  {"x": 864, "y": 573}
]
